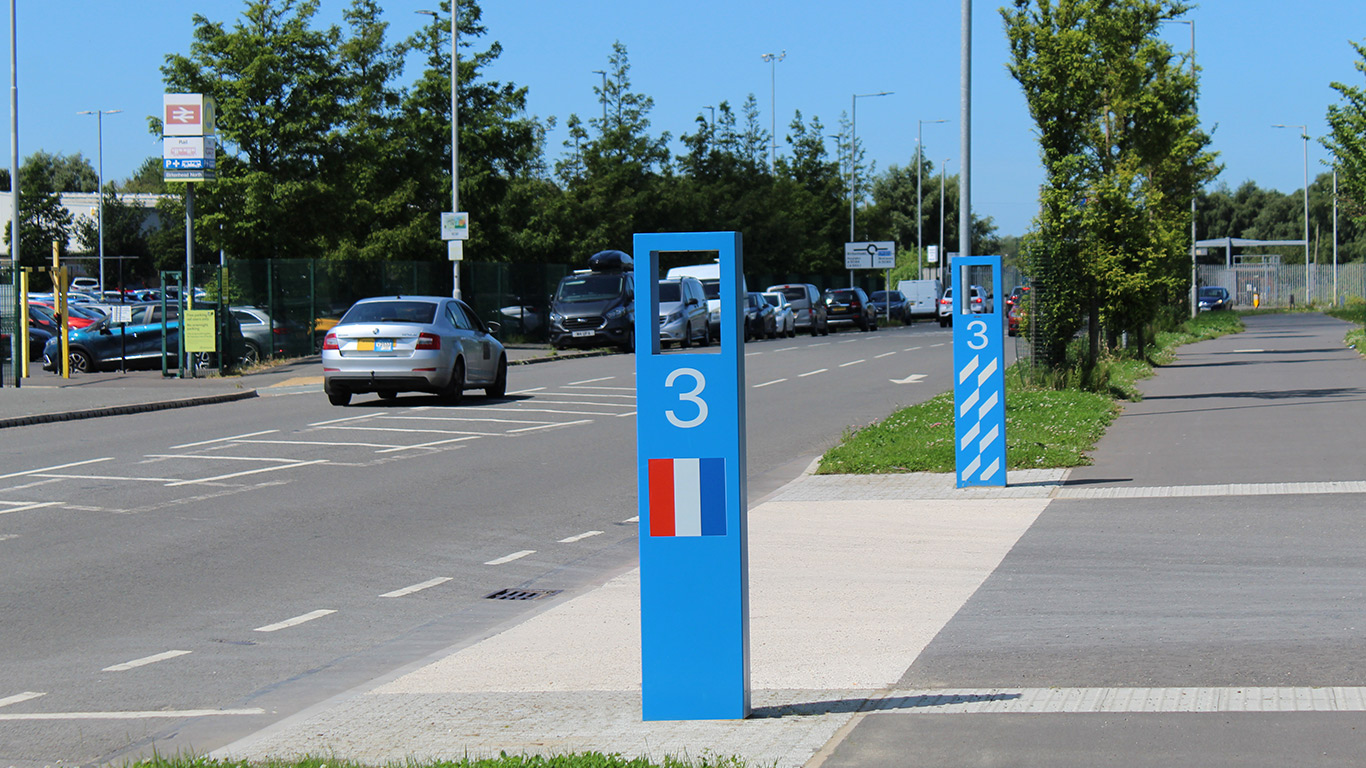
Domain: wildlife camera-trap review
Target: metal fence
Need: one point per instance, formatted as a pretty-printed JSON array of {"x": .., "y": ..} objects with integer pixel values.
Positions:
[
  {"x": 1285, "y": 285},
  {"x": 9, "y": 308}
]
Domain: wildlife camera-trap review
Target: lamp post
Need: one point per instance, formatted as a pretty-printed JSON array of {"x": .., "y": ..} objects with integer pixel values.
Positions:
[
  {"x": 455, "y": 127},
  {"x": 711, "y": 126},
  {"x": 1195, "y": 306},
  {"x": 773, "y": 59},
  {"x": 919, "y": 151},
  {"x": 99, "y": 192},
  {"x": 943, "y": 254},
  {"x": 853, "y": 161},
  {"x": 1308, "y": 272}
]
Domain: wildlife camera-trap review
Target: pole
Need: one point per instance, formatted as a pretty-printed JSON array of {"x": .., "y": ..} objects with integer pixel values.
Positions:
[
  {"x": 455, "y": 132},
  {"x": 13, "y": 168},
  {"x": 853, "y": 170},
  {"x": 188, "y": 283},
  {"x": 943, "y": 254},
  {"x": 99, "y": 194},
  {"x": 1308, "y": 269},
  {"x": 965, "y": 134},
  {"x": 773, "y": 59},
  {"x": 1335, "y": 236},
  {"x": 919, "y": 153},
  {"x": 1194, "y": 298}
]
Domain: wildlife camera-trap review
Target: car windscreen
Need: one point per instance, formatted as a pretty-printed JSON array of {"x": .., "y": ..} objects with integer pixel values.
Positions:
[
  {"x": 589, "y": 288},
  {"x": 794, "y": 293},
  {"x": 711, "y": 289},
  {"x": 1212, "y": 293},
  {"x": 669, "y": 293},
  {"x": 844, "y": 297},
  {"x": 879, "y": 296},
  {"x": 772, "y": 298},
  {"x": 397, "y": 311}
]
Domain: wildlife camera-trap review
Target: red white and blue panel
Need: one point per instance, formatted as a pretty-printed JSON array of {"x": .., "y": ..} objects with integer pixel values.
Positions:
[{"x": 687, "y": 497}]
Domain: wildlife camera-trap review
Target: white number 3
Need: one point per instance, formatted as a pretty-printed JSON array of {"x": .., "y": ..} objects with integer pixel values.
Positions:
[
  {"x": 978, "y": 329},
  {"x": 688, "y": 397}
]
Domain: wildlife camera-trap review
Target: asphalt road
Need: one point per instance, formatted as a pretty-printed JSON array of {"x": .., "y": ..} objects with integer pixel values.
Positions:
[{"x": 179, "y": 579}]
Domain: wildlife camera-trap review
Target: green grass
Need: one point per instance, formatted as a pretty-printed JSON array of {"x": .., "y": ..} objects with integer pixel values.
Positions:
[
  {"x": 585, "y": 760},
  {"x": 1052, "y": 420},
  {"x": 1354, "y": 311}
]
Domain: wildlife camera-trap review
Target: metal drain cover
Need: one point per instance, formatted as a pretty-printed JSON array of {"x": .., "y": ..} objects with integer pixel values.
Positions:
[{"x": 522, "y": 594}]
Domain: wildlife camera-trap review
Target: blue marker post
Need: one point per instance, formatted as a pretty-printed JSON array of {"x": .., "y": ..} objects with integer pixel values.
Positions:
[
  {"x": 690, "y": 438},
  {"x": 979, "y": 381}
]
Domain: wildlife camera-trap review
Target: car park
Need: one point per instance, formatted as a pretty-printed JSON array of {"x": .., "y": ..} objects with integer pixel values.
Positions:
[
  {"x": 761, "y": 321},
  {"x": 808, "y": 308},
  {"x": 595, "y": 307},
  {"x": 77, "y": 316},
  {"x": 137, "y": 342},
  {"x": 37, "y": 340},
  {"x": 1213, "y": 297},
  {"x": 682, "y": 312},
  {"x": 890, "y": 305},
  {"x": 783, "y": 316},
  {"x": 850, "y": 306},
  {"x": 394, "y": 344}
]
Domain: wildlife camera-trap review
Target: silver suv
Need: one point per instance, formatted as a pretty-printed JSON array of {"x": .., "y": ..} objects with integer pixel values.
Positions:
[
  {"x": 807, "y": 306},
  {"x": 979, "y": 303}
]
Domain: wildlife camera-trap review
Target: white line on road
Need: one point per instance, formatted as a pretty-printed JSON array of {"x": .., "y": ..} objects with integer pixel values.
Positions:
[
  {"x": 820, "y": 344},
  {"x": 1248, "y": 351},
  {"x": 852, "y": 362},
  {"x": 590, "y": 381},
  {"x": 296, "y": 621},
  {"x": 417, "y": 587},
  {"x": 246, "y": 472},
  {"x": 786, "y": 349},
  {"x": 767, "y": 383},
  {"x": 112, "y": 477},
  {"x": 217, "y": 457},
  {"x": 884, "y": 354},
  {"x": 335, "y": 444},
  {"x": 617, "y": 389},
  {"x": 174, "y": 714},
  {"x": 18, "y": 697},
  {"x": 550, "y": 410},
  {"x": 628, "y": 413},
  {"x": 635, "y": 519},
  {"x": 344, "y": 418},
  {"x": 541, "y": 401},
  {"x": 144, "y": 661},
  {"x": 550, "y": 425},
  {"x": 937, "y": 345},
  {"x": 224, "y": 439},
  {"x": 952, "y": 701},
  {"x": 59, "y": 466},
  {"x": 432, "y": 444},
  {"x": 848, "y": 341},
  {"x": 580, "y": 537},
  {"x": 24, "y": 507},
  {"x": 465, "y": 418},
  {"x": 590, "y": 394},
  {"x": 412, "y": 431},
  {"x": 511, "y": 557},
  {"x": 526, "y": 391},
  {"x": 753, "y": 354},
  {"x": 910, "y": 349},
  {"x": 914, "y": 378},
  {"x": 812, "y": 373}
]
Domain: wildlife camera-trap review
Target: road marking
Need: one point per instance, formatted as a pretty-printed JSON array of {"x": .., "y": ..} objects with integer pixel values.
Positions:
[
  {"x": 628, "y": 413},
  {"x": 635, "y": 519},
  {"x": 526, "y": 391},
  {"x": 322, "y": 442},
  {"x": 345, "y": 418},
  {"x": 175, "y": 714},
  {"x": 511, "y": 557},
  {"x": 937, "y": 345},
  {"x": 848, "y": 341},
  {"x": 409, "y": 430},
  {"x": 466, "y": 418},
  {"x": 590, "y": 394},
  {"x": 549, "y": 426},
  {"x": 617, "y": 389},
  {"x": 766, "y": 383},
  {"x": 113, "y": 477},
  {"x": 855, "y": 362},
  {"x": 59, "y": 466},
  {"x": 1248, "y": 351},
  {"x": 580, "y": 402},
  {"x": 417, "y": 587},
  {"x": 884, "y": 354},
  {"x": 24, "y": 507},
  {"x": 820, "y": 344},
  {"x": 753, "y": 354},
  {"x": 551, "y": 410},
  {"x": 217, "y": 457},
  {"x": 20, "y": 697},
  {"x": 786, "y": 349},
  {"x": 223, "y": 439},
  {"x": 296, "y": 621},
  {"x": 1230, "y": 489},
  {"x": 910, "y": 349},
  {"x": 590, "y": 381},
  {"x": 580, "y": 537},
  {"x": 432, "y": 444},
  {"x": 812, "y": 373},
  {"x": 144, "y": 661},
  {"x": 1132, "y": 700},
  {"x": 914, "y": 378},
  {"x": 229, "y": 476}
]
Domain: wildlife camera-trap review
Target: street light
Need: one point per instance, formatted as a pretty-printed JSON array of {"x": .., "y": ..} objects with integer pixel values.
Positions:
[
  {"x": 853, "y": 161},
  {"x": 943, "y": 254},
  {"x": 1195, "y": 306},
  {"x": 919, "y": 151},
  {"x": 455, "y": 128},
  {"x": 99, "y": 221},
  {"x": 773, "y": 60},
  {"x": 1308, "y": 274}
]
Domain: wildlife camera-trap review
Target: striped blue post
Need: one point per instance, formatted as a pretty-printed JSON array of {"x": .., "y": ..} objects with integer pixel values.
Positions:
[{"x": 979, "y": 382}]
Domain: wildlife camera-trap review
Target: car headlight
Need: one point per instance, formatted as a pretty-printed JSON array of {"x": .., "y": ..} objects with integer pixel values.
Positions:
[
  {"x": 556, "y": 317},
  {"x": 616, "y": 312},
  {"x": 673, "y": 317}
]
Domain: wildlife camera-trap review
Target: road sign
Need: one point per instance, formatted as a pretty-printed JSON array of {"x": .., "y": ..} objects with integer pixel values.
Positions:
[
  {"x": 875, "y": 255},
  {"x": 979, "y": 384},
  {"x": 691, "y": 472},
  {"x": 187, "y": 114},
  {"x": 932, "y": 254},
  {"x": 200, "y": 330},
  {"x": 455, "y": 250},
  {"x": 455, "y": 226}
]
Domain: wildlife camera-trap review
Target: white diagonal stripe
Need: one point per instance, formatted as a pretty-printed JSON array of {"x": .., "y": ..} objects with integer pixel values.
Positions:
[
  {"x": 992, "y": 399},
  {"x": 991, "y": 469},
  {"x": 986, "y": 372},
  {"x": 296, "y": 621},
  {"x": 417, "y": 587},
  {"x": 969, "y": 435},
  {"x": 968, "y": 369},
  {"x": 20, "y": 697},
  {"x": 972, "y": 467},
  {"x": 969, "y": 402},
  {"x": 990, "y": 438}
]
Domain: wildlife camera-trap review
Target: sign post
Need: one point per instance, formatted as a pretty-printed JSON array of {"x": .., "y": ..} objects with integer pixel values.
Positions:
[
  {"x": 690, "y": 437},
  {"x": 979, "y": 382}
]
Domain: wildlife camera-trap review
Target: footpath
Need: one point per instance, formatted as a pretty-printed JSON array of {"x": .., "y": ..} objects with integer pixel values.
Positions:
[{"x": 1198, "y": 594}]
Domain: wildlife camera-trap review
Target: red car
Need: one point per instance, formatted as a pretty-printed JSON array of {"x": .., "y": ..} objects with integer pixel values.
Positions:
[{"x": 77, "y": 317}]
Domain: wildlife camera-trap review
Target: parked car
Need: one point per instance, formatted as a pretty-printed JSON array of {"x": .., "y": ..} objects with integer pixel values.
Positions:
[
  {"x": 1019, "y": 292},
  {"x": 85, "y": 284},
  {"x": 850, "y": 306},
  {"x": 138, "y": 342},
  {"x": 783, "y": 316},
  {"x": 922, "y": 297},
  {"x": 682, "y": 312},
  {"x": 979, "y": 302},
  {"x": 1013, "y": 319},
  {"x": 1215, "y": 297},
  {"x": 761, "y": 322},
  {"x": 891, "y": 305},
  {"x": 263, "y": 335},
  {"x": 807, "y": 306},
  {"x": 77, "y": 316},
  {"x": 37, "y": 340},
  {"x": 596, "y": 307},
  {"x": 394, "y": 344}
]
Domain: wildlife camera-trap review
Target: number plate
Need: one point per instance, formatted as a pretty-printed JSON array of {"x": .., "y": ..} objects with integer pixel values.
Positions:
[
  {"x": 582, "y": 334},
  {"x": 384, "y": 345}
]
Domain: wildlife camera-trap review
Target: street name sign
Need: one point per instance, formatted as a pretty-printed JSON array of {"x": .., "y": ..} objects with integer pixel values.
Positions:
[{"x": 870, "y": 255}]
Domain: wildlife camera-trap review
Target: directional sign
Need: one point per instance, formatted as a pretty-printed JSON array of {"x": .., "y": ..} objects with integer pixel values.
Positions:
[
  {"x": 875, "y": 255},
  {"x": 187, "y": 114},
  {"x": 979, "y": 385}
]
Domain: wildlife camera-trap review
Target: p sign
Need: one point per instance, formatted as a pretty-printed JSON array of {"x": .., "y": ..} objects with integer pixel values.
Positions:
[
  {"x": 979, "y": 382},
  {"x": 690, "y": 441}
]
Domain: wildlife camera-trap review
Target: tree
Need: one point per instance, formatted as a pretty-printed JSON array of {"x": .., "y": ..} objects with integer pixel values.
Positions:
[
  {"x": 124, "y": 225},
  {"x": 43, "y": 220},
  {"x": 1347, "y": 141},
  {"x": 60, "y": 173},
  {"x": 893, "y": 215}
]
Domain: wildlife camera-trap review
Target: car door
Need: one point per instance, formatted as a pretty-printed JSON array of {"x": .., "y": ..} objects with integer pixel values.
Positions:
[{"x": 473, "y": 339}]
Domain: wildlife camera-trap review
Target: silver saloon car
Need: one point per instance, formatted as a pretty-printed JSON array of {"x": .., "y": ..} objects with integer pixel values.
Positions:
[{"x": 399, "y": 344}]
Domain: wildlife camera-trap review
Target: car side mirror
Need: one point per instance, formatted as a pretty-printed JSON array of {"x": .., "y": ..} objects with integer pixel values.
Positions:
[
  {"x": 106, "y": 332},
  {"x": 494, "y": 326},
  {"x": 692, "y": 302}
]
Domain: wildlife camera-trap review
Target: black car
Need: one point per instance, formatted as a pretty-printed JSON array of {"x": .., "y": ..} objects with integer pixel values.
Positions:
[
  {"x": 761, "y": 320},
  {"x": 891, "y": 305},
  {"x": 1215, "y": 297},
  {"x": 850, "y": 306},
  {"x": 596, "y": 307}
]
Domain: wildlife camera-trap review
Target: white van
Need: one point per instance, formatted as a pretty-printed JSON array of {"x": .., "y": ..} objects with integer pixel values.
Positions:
[
  {"x": 922, "y": 297},
  {"x": 710, "y": 277}
]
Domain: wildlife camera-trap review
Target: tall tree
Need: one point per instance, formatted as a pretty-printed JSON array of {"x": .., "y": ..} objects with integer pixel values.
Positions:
[
  {"x": 1347, "y": 140},
  {"x": 42, "y": 218}
]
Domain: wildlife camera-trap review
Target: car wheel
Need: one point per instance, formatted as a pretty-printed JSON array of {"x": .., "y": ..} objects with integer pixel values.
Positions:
[
  {"x": 943, "y": 323},
  {"x": 500, "y": 382},
  {"x": 81, "y": 361},
  {"x": 706, "y": 338},
  {"x": 630, "y": 344},
  {"x": 338, "y": 396},
  {"x": 251, "y": 354},
  {"x": 687, "y": 337},
  {"x": 454, "y": 391}
]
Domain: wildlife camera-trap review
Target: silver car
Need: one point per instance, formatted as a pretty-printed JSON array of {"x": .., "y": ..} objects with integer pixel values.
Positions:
[
  {"x": 412, "y": 344},
  {"x": 682, "y": 312}
]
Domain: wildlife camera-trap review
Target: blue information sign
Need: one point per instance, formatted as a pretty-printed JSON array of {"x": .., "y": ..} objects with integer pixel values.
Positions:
[
  {"x": 690, "y": 440},
  {"x": 979, "y": 382}
]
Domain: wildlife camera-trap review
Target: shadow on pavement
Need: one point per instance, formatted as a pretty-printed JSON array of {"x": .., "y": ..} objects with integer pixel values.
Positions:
[{"x": 867, "y": 704}]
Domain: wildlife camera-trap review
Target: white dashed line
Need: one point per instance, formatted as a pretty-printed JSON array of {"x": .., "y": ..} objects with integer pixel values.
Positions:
[
  {"x": 852, "y": 362},
  {"x": 1247, "y": 351},
  {"x": 786, "y": 349},
  {"x": 550, "y": 425},
  {"x": 59, "y": 466},
  {"x": 224, "y": 439},
  {"x": 615, "y": 389},
  {"x": 932, "y": 346},
  {"x": 1149, "y": 700},
  {"x": 526, "y": 391},
  {"x": 23, "y": 507},
  {"x": 332, "y": 444},
  {"x": 144, "y": 661},
  {"x": 432, "y": 444},
  {"x": 20, "y": 697},
  {"x": 296, "y": 621},
  {"x": 819, "y": 344},
  {"x": 247, "y": 472},
  {"x": 767, "y": 383},
  {"x": 174, "y": 714},
  {"x": 511, "y": 557},
  {"x": 581, "y": 402},
  {"x": 416, "y": 431},
  {"x": 465, "y": 418},
  {"x": 910, "y": 349},
  {"x": 219, "y": 457},
  {"x": 580, "y": 537},
  {"x": 753, "y": 354},
  {"x": 848, "y": 341},
  {"x": 635, "y": 519},
  {"x": 812, "y": 373},
  {"x": 417, "y": 587},
  {"x": 551, "y": 410},
  {"x": 589, "y": 381},
  {"x": 628, "y": 413},
  {"x": 884, "y": 354}
]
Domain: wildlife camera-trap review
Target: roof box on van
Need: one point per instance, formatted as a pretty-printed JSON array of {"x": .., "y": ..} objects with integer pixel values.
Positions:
[{"x": 610, "y": 261}]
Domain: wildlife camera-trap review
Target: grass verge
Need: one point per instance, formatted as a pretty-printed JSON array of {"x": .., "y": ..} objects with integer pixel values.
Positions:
[
  {"x": 1052, "y": 422},
  {"x": 1354, "y": 311}
]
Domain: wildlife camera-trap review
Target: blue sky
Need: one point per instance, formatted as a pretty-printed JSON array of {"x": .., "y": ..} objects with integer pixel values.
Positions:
[{"x": 1263, "y": 62}]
